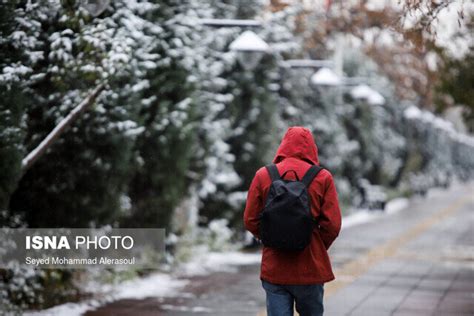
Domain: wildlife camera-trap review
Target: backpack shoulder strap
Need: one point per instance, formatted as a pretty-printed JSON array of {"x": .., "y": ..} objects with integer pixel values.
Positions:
[
  {"x": 273, "y": 171},
  {"x": 311, "y": 174}
]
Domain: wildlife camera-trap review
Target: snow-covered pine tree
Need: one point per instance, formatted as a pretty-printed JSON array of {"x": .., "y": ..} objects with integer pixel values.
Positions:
[
  {"x": 67, "y": 62},
  {"x": 12, "y": 104},
  {"x": 165, "y": 112},
  {"x": 374, "y": 122}
]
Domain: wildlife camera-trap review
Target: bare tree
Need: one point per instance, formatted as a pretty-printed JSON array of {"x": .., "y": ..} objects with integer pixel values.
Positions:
[{"x": 428, "y": 11}]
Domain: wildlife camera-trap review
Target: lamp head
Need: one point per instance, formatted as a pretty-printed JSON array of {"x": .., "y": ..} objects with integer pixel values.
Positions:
[{"x": 250, "y": 49}]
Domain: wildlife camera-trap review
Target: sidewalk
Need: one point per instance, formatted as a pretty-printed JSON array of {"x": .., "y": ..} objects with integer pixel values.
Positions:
[{"x": 421, "y": 263}]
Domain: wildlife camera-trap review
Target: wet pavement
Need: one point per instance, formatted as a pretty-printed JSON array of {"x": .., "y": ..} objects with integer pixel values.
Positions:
[
  {"x": 220, "y": 293},
  {"x": 427, "y": 269},
  {"x": 419, "y": 261}
]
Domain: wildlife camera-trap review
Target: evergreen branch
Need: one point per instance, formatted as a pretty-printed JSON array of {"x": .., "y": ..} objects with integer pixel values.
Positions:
[{"x": 36, "y": 153}]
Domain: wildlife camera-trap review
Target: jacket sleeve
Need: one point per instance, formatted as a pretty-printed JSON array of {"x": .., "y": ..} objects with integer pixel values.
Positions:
[
  {"x": 330, "y": 219},
  {"x": 253, "y": 206}
]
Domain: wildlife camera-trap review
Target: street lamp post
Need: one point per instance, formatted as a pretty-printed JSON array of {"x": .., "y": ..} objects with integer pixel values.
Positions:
[
  {"x": 365, "y": 93},
  {"x": 250, "y": 49},
  {"x": 326, "y": 77}
]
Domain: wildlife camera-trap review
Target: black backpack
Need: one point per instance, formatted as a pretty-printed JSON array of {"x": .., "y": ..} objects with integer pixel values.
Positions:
[{"x": 286, "y": 222}]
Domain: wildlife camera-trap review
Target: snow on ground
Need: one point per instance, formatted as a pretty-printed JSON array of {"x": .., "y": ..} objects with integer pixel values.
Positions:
[
  {"x": 359, "y": 217},
  {"x": 365, "y": 216},
  {"x": 218, "y": 261},
  {"x": 396, "y": 205},
  {"x": 69, "y": 309},
  {"x": 193, "y": 309},
  {"x": 157, "y": 284}
]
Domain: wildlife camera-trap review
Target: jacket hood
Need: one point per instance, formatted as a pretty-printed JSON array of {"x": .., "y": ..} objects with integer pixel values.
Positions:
[{"x": 298, "y": 142}]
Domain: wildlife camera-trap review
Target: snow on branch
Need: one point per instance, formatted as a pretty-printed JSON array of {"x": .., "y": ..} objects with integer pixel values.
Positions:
[
  {"x": 230, "y": 22},
  {"x": 36, "y": 153},
  {"x": 414, "y": 113},
  {"x": 307, "y": 63}
]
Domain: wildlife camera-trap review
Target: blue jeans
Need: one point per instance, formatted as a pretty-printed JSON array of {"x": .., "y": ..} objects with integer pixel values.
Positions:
[{"x": 307, "y": 298}]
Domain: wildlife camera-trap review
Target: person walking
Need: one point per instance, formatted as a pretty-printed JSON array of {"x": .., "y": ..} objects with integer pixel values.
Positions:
[{"x": 292, "y": 206}]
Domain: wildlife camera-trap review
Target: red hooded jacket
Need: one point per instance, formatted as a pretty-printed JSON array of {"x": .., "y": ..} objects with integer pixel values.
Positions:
[{"x": 298, "y": 152}]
